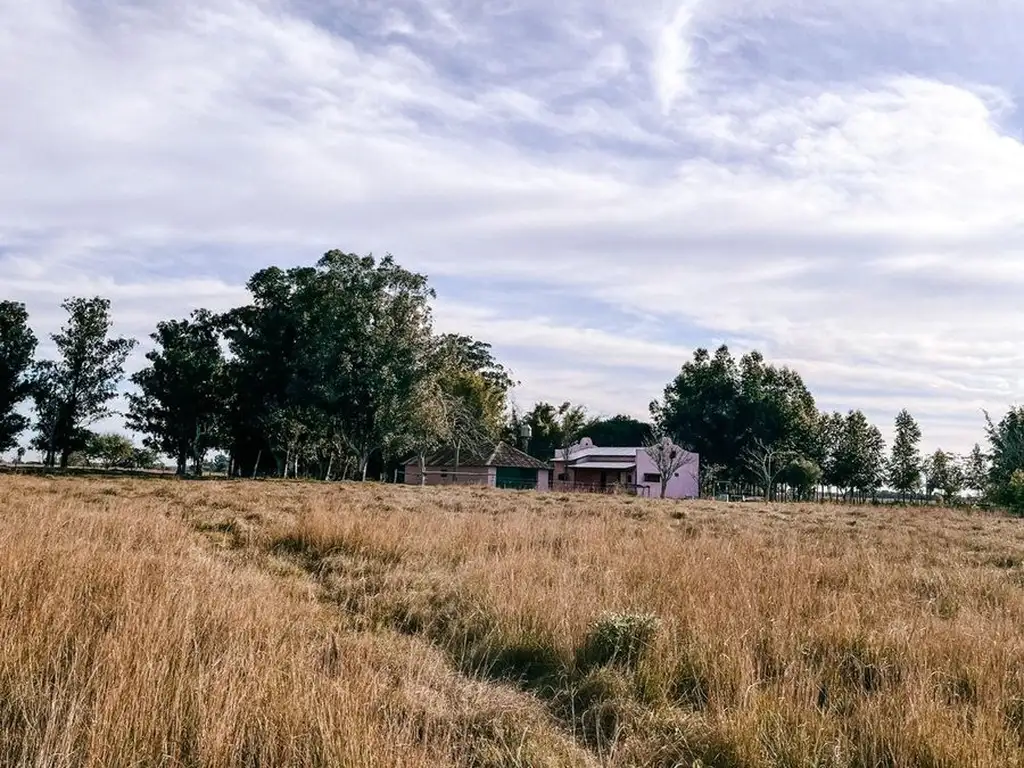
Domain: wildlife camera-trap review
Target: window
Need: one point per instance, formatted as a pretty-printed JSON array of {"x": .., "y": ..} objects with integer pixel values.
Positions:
[
  {"x": 652, "y": 477},
  {"x": 563, "y": 476}
]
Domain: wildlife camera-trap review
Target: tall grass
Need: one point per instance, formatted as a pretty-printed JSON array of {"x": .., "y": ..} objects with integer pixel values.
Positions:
[
  {"x": 126, "y": 640},
  {"x": 241, "y": 623}
]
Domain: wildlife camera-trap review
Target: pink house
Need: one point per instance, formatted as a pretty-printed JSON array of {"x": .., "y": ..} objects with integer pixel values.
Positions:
[{"x": 589, "y": 467}]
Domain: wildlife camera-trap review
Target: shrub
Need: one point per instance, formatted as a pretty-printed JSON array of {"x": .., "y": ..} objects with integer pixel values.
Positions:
[
  {"x": 1012, "y": 494},
  {"x": 618, "y": 638}
]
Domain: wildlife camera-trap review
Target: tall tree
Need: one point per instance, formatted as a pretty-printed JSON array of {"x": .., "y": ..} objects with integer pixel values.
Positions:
[
  {"x": 555, "y": 428},
  {"x": 802, "y": 475},
  {"x": 700, "y": 406},
  {"x": 571, "y": 420},
  {"x": 944, "y": 473},
  {"x": 859, "y": 456},
  {"x": 75, "y": 390},
  {"x": 1006, "y": 451},
  {"x": 182, "y": 391},
  {"x": 460, "y": 400},
  {"x": 825, "y": 446},
  {"x": 905, "y": 463},
  {"x": 344, "y": 341},
  {"x": 619, "y": 432},
  {"x": 719, "y": 407},
  {"x": 976, "y": 471},
  {"x": 17, "y": 346}
]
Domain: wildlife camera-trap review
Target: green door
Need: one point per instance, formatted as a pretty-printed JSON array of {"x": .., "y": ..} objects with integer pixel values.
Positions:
[{"x": 516, "y": 477}]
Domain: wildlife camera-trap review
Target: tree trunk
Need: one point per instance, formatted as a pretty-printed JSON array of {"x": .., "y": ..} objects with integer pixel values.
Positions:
[
  {"x": 256, "y": 466},
  {"x": 65, "y": 456},
  {"x": 287, "y": 463},
  {"x": 182, "y": 464},
  {"x": 664, "y": 486},
  {"x": 423, "y": 468}
]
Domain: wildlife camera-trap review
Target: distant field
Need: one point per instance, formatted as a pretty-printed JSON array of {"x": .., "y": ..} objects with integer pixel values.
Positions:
[{"x": 167, "y": 623}]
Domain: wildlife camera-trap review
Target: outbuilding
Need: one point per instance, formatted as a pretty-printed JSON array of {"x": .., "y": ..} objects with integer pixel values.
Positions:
[{"x": 497, "y": 466}]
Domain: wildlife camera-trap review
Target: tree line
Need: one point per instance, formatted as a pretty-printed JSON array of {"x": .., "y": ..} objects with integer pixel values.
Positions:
[{"x": 335, "y": 371}]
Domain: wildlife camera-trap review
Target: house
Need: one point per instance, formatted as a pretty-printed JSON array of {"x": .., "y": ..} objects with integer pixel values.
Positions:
[
  {"x": 498, "y": 466},
  {"x": 589, "y": 467}
]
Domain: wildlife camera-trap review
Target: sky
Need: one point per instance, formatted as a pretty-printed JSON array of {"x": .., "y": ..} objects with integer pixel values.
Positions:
[{"x": 596, "y": 188}]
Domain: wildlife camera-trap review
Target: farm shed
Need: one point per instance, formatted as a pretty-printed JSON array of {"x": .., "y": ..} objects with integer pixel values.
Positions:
[{"x": 497, "y": 466}]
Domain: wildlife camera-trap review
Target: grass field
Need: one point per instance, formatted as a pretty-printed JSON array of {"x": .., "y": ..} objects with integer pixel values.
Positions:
[{"x": 165, "y": 623}]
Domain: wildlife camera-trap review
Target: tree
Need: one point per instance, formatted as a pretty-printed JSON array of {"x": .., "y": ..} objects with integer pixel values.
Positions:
[
  {"x": 471, "y": 392},
  {"x": 344, "y": 343},
  {"x": 700, "y": 408},
  {"x": 182, "y": 391},
  {"x": 826, "y": 444},
  {"x": 17, "y": 346},
  {"x": 766, "y": 463},
  {"x": 802, "y": 475},
  {"x": 718, "y": 407},
  {"x": 143, "y": 458},
  {"x": 219, "y": 464},
  {"x": 943, "y": 473},
  {"x": 74, "y": 391},
  {"x": 571, "y": 420},
  {"x": 555, "y": 428},
  {"x": 858, "y": 460},
  {"x": 110, "y": 450},
  {"x": 668, "y": 458},
  {"x": 905, "y": 462},
  {"x": 1006, "y": 451},
  {"x": 619, "y": 432},
  {"x": 1012, "y": 494},
  {"x": 976, "y": 471}
]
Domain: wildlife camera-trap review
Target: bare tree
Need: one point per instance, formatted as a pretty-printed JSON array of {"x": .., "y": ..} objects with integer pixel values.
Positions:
[
  {"x": 766, "y": 462},
  {"x": 570, "y": 423},
  {"x": 669, "y": 458}
]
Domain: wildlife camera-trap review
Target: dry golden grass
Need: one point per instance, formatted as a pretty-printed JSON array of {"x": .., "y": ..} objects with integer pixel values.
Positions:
[{"x": 154, "y": 622}]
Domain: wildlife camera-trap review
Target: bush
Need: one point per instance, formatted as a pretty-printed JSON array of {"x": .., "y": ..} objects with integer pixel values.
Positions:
[
  {"x": 1012, "y": 494},
  {"x": 619, "y": 638}
]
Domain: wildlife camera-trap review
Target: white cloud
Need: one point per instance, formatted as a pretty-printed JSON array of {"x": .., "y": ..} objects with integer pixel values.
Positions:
[
  {"x": 864, "y": 228},
  {"x": 673, "y": 57}
]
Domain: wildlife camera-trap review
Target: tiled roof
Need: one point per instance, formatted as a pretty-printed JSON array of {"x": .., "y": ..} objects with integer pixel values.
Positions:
[
  {"x": 506, "y": 455},
  {"x": 500, "y": 454}
]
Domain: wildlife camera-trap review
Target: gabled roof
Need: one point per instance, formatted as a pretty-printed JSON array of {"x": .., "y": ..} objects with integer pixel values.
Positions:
[{"x": 500, "y": 454}]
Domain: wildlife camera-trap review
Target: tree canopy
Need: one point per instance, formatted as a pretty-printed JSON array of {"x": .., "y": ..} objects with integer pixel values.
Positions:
[
  {"x": 75, "y": 390},
  {"x": 17, "y": 348}
]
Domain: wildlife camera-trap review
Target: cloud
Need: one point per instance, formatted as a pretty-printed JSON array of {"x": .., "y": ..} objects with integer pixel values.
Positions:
[
  {"x": 595, "y": 187},
  {"x": 673, "y": 57}
]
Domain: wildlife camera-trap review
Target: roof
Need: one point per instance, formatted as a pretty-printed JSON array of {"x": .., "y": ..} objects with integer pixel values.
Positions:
[
  {"x": 500, "y": 454},
  {"x": 577, "y": 452}
]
